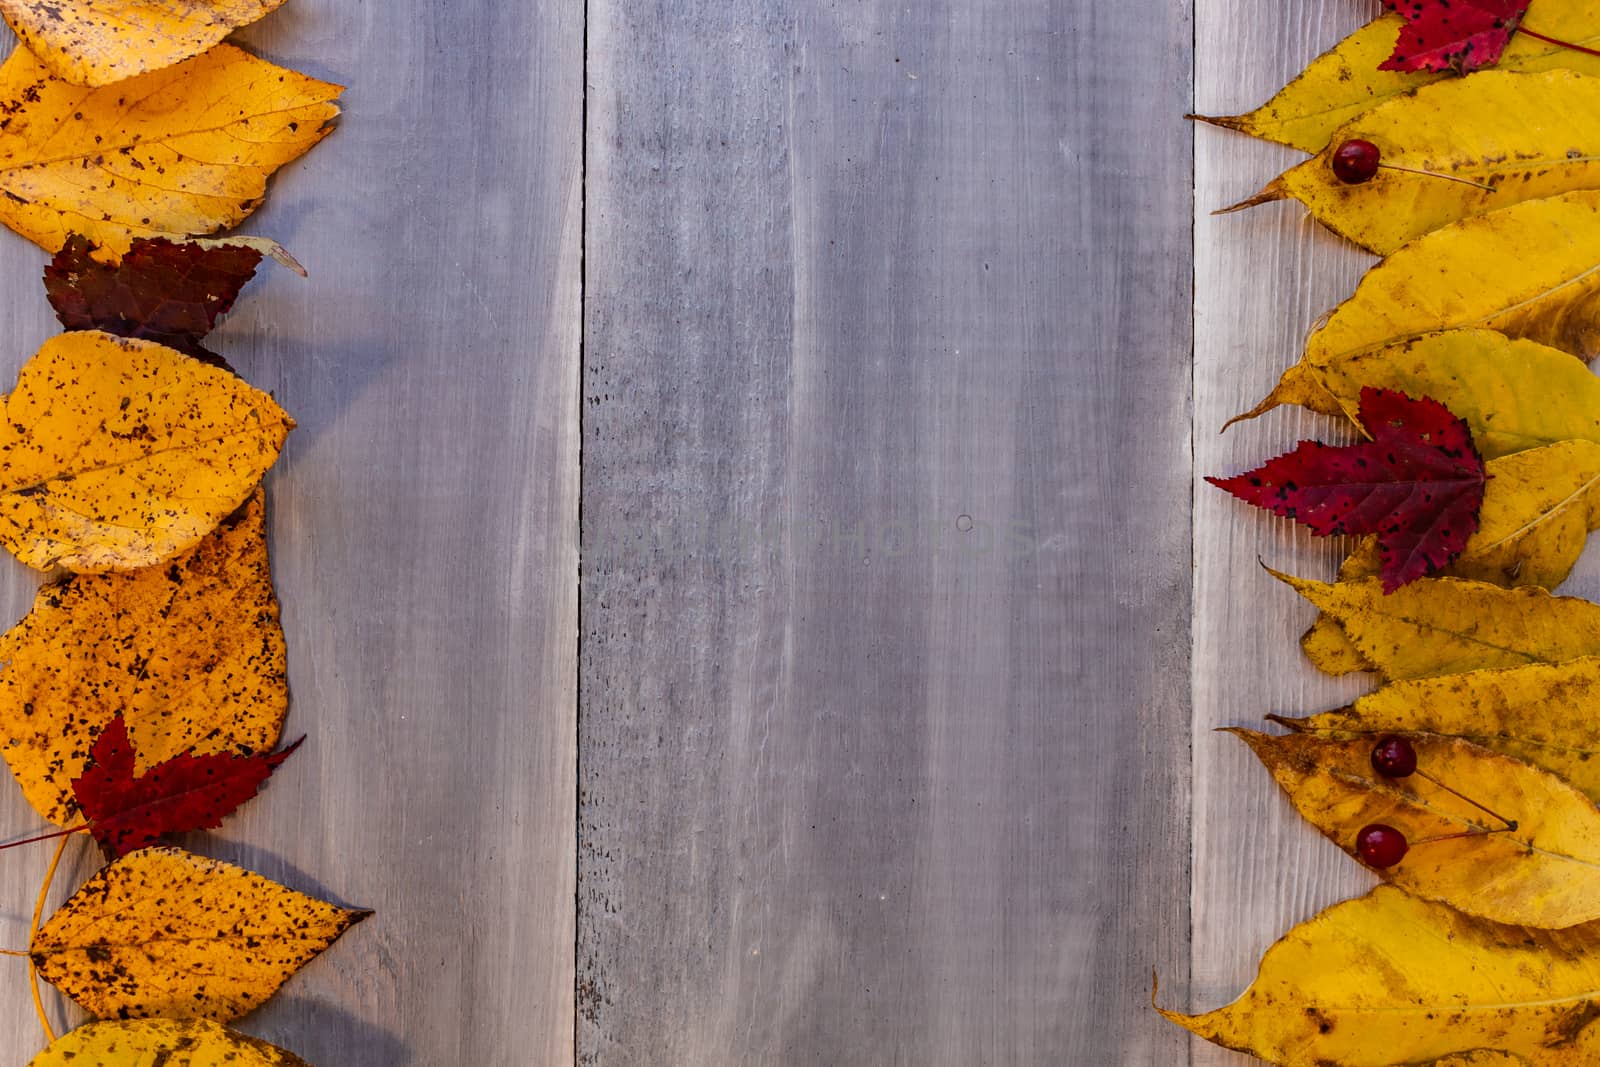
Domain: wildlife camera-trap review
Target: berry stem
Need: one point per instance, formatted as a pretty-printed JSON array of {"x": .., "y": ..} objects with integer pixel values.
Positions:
[
  {"x": 1510, "y": 824},
  {"x": 1464, "y": 833},
  {"x": 1536, "y": 35},
  {"x": 33, "y": 932},
  {"x": 1438, "y": 174}
]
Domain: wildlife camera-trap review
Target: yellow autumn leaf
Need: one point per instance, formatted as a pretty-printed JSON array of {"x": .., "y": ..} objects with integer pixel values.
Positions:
[
  {"x": 1345, "y": 82},
  {"x": 1514, "y": 394},
  {"x": 1329, "y": 650},
  {"x": 162, "y": 932},
  {"x": 96, "y": 42},
  {"x": 1441, "y": 626},
  {"x": 1543, "y": 713},
  {"x": 118, "y": 453},
  {"x": 1388, "y": 979},
  {"x": 161, "y": 1043},
  {"x": 1545, "y": 872},
  {"x": 199, "y": 663},
  {"x": 1531, "y": 270},
  {"x": 184, "y": 150},
  {"x": 1460, "y": 148}
]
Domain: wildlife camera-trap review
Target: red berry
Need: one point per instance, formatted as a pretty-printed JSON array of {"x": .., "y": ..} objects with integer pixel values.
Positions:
[
  {"x": 1381, "y": 846},
  {"x": 1355, "y": 162},
  {"x": 1393, "y": 757}
]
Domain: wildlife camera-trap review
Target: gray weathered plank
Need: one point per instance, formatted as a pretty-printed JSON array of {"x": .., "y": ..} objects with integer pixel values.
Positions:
[
  {"x": 884, "y": 665},
  {"x": 424, "y": 534}
]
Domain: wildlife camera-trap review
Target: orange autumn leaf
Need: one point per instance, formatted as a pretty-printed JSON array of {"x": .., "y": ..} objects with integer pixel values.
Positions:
[
  {"x": 162, "y": 933},
  {"x": 97, "y": 42},
  {"x": 201, "y": 664},
  {"x": 168, "y": 1042},
  {"x": 180, "y": 151},
  {"x": 117, "y": 454}
]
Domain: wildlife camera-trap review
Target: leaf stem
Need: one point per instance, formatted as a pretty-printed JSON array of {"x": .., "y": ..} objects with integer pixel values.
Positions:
[
  {"x": 33, "y": 932},
  {"x": 1437, "y": 174},
  {"x": 14, "y": 952},
  {"x": 1536, "y": 35},
  {"x": 45, "y": 837}
]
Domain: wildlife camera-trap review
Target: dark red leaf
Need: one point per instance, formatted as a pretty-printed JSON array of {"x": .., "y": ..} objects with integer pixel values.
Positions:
[
  {"x": 1417, "y": 485},
  {"x": 161, "y": 291},
  {"x": 126, "y": 812},
  {"x": 1458, "y": 35}
]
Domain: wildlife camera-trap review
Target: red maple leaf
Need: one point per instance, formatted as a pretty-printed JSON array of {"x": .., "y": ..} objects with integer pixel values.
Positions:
[
  {"x": 126, "y": 812},
  {"x": 161, "y": 291},
  {"x": 1417, "y": 484},
  {"x": 1458, "y": 35}
]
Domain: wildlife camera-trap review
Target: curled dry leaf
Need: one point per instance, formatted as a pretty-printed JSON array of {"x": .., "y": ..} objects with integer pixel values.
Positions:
[
  {"x": 1543, "y": 714},
  {"x": 199, "y": 663},
  {"x": 1459, "y": 991},
  {"x": 1447, "y": 625},
  {"x": 162, "y": 932},
  {"x": 117, "y": 454},
  {"x": 127, "y": 811},
  {"x": 161, "y": 291},
  {"x": 1475, "y": 129},
  {"x": 186, "y": 150},
  {"x": 97, "y": 42},
  {"x": 1345, "y": 81},
  {"x": 1531, "y": 270},
  {"x": 1415, "y": 486},
  {"x": 1514, "y": 394},
  {"x": 161, "y": 1043},
  {"x": 1544, "y": 873}
]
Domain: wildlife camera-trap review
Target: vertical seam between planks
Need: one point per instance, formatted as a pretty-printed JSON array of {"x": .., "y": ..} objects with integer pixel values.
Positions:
[
  {"x": 1194, "y": 431},
  {"x": 577, "y": 651}
]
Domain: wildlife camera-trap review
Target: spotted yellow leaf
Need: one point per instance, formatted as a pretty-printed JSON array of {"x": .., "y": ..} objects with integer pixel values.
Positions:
[
  {"x": 1531, "y": 271},
  {"x": 1514, "y": 394},
  {"x": 1459, "y": 148},
  {"x": 117, "y": 453},
  {"x": 96, "y": 42},
  {"x": 1543, "y": 872},
  {"x": 199, "y": 663},
  {"x": 1543, "y": 714},
  {"x": 1439, "y": 626},
  {"x": 180, "y": 151},
  {"x": 1345, "y": 81},
  {"x": 1389, "y": 978},
  {"x": 161, "y": 1043},
  {"x": 162, "y": 932}
]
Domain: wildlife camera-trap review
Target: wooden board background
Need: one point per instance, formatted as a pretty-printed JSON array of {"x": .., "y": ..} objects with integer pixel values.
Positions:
[
  {"x": 424, "y": 523},
  {"x": 904, "y": 329},
  {"x": 884, "y": 656}
]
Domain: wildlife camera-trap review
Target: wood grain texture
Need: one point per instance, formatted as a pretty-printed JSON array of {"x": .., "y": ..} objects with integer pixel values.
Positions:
[
  {"x": 423, "y": 535},
  {"x": 883, "y": 674}
]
